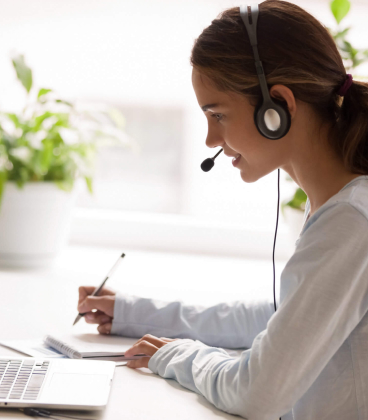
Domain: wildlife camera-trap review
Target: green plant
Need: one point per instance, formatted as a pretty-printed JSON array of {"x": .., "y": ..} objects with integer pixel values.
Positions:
[
  {"x": 297, "y": 201},
  {"x": 52, "y": 139},
  {"x": 352, "y": 58}
]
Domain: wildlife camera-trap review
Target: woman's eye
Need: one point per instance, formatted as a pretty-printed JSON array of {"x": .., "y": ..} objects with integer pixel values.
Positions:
[{"x": 218, "y": 117}]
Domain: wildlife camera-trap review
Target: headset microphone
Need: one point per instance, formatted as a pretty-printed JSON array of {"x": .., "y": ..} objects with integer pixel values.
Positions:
[{"x": 208, "y": 164}]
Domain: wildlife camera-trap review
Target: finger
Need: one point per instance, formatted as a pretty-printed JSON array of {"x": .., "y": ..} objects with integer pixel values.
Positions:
[
  {"x": 102, "y": 303},
  {"x": 85, "y": 291},
  {"x": 152, "y": 339},
  {"x": 105, "y": 328},
  {"x": 139, "y": 363},
  {"x": 143, "y": 347},
  {"x": 169, "y": 339},
  {"x": 97, "y": 318},
  {"x": 94, "y": 313}
]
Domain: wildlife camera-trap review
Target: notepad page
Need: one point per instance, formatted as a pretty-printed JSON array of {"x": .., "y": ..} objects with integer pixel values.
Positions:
[{"x": 89, "y": 345}]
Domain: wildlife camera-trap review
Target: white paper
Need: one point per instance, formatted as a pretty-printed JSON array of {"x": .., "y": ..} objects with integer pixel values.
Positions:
[
  {"x": 34, "y": 348},
  {"x": 89, "y": 344}
]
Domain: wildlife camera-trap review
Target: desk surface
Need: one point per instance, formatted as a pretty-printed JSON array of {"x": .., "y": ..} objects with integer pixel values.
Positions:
[{"x": 36, "y": 302}]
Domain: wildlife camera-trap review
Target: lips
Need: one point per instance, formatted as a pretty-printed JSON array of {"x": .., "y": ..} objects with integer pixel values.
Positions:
[{"x": 236, "y": 160}]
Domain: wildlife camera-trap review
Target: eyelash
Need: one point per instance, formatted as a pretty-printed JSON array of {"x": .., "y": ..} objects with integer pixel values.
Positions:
[{"x": 217, "y": 116}]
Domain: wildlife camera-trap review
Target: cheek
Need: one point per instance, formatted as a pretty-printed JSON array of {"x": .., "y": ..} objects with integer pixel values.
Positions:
[{"x": 242, "y": 136}]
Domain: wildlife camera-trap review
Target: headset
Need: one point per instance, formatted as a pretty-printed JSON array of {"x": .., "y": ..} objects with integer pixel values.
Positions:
[{"x": 271, "y": 116}]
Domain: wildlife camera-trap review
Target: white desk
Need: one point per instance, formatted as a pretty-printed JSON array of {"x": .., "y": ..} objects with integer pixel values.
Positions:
[{"x": 36, "y": 302}]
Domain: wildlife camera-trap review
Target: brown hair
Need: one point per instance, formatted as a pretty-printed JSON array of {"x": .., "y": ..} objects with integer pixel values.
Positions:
[{"x": 296, "y": 51}]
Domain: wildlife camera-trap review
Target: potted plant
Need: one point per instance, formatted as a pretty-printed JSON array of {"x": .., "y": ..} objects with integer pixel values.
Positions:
[
  {"x": 293, "y": 208},
  {"x": 44, "y": 149}
]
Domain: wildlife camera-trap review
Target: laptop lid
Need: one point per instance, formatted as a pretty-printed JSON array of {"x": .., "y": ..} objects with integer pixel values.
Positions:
[{"x": 55, "y": 383}]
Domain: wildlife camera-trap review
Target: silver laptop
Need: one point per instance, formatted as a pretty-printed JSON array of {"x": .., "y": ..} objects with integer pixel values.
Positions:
[{"x": 55, "y": 383}]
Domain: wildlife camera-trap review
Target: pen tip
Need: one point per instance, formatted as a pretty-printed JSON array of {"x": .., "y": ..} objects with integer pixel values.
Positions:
[
  {"x": 77, "y": 319},
  {"x": 122, "y": 255}
]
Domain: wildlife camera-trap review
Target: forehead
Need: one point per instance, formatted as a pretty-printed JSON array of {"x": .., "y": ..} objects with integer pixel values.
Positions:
[
  {"x": 205, "y": 90},
  {"x": 207, "y": 93}
]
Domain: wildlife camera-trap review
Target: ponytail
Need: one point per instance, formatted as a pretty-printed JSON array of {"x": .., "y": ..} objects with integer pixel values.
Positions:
[{"x": 352, "y": 129}]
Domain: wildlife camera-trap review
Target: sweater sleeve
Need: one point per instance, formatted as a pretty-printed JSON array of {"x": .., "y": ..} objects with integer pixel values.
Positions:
[
  {"x": 231, "y": 325},
  {"x": 327, "y": 296}
]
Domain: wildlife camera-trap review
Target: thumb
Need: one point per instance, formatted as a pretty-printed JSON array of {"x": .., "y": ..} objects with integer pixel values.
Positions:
[{"x": 101, "y": 303}]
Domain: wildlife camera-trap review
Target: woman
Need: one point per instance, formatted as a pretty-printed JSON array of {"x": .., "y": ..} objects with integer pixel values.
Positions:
[{"x": 309, "y": 360}]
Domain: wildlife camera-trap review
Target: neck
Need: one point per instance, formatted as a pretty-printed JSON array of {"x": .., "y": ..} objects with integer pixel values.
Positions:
[{"x": 316, "y": 168}]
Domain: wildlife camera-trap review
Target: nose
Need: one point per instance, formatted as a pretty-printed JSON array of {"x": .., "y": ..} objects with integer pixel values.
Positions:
[{"x": 214, "y": 138}]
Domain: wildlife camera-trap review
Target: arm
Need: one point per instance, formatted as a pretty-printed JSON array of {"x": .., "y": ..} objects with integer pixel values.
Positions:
[
  {"x": 324, "y": 297},
  {"x": 225, "y": 325}
]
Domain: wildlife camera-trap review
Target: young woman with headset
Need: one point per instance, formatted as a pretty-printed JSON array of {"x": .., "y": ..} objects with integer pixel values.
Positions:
[{"x": 275, "y": 93}]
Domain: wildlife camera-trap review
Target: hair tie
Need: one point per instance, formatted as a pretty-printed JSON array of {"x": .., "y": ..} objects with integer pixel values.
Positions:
[{"x": 345, "y": 87}]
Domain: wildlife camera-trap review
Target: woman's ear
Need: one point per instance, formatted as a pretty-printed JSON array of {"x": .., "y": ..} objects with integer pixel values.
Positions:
[{"x": 283, "y": 93}]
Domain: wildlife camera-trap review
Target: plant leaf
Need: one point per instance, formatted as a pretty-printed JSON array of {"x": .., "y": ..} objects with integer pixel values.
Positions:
[
  {"x": 42, "y": 92},
  {"x": 300, "y": 195},
  {"x": 61, "y": 101},
  {"x": 342, "y": 34},
  {"x": 24, "y": 73},
  {"x": 14, "y": 118},
  {"x": 340, "y": 8},
  {"x": 3, "y": 177},
  {"x": 46, "y": 155},
  {"x": 298, "y": 201},
  {"x": 89, "y": 184},
  {"x": 66, "y": 184},
  {"x": 117, "y": 117}
]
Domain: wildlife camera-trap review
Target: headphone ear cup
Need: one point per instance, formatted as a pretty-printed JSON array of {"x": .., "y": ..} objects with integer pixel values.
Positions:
[{"x": 272, "y": 119}]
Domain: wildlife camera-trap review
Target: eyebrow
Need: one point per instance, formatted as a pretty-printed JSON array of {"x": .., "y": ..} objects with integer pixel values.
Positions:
[{"x": 206, "y": 107}]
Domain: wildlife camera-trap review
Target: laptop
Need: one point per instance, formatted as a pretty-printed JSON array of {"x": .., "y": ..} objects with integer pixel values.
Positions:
[{"x": 55, "y": 383}]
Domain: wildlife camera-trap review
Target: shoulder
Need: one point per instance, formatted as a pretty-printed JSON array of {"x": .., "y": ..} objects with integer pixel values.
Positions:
[
  {"x": 347, "y": 209},
  {"x": 357, "y": 196},
  {"x": 341, "y": 226}
]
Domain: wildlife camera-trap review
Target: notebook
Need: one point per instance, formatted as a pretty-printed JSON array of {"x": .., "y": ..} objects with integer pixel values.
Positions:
[
  {"x": 76, "y": 346},
  {"x": 90, "y": 346}
]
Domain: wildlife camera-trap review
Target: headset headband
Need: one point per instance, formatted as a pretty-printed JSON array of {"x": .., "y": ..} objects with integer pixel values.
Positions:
[{"x": 249, "y": 15}]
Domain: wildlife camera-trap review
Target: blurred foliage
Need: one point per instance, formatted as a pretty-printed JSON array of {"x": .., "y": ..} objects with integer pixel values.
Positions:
[
  {"x": 352, "y": 58},
  {"x": 298, "y": 200},
  {"x": 52, "y": 139}
]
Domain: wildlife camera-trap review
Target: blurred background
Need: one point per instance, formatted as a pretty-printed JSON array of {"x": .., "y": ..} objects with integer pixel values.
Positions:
[{"x": 134, "y": 55}]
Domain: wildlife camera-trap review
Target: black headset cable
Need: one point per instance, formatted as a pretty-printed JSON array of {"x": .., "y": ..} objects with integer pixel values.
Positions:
[{"x": 274, "y": 242}]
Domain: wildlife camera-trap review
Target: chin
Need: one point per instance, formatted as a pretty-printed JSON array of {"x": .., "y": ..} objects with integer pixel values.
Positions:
[{"x": 249, "y": 178}]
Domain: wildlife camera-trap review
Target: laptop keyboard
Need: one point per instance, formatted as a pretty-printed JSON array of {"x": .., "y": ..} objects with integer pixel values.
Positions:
[{"x": 21, "y": 379}]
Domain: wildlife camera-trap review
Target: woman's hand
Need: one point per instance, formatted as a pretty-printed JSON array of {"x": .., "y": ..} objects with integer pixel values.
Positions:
[
  {"x": 148, "y": 345},
  {"x": 103, "y": 305}
]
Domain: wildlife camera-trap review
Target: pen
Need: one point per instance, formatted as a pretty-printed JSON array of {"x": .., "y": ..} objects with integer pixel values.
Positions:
[{"x": 98, "y": 289}]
